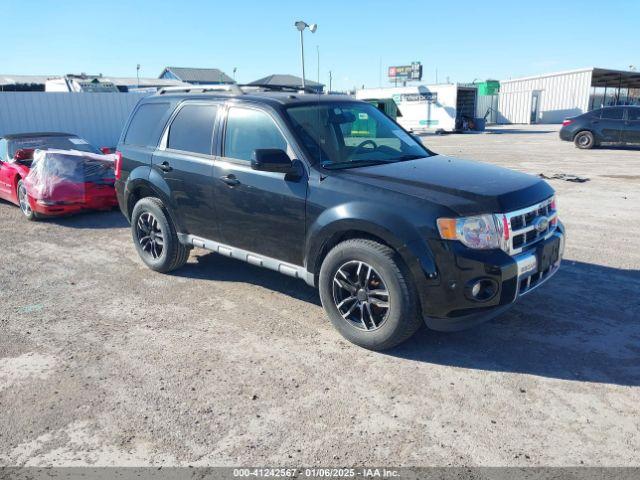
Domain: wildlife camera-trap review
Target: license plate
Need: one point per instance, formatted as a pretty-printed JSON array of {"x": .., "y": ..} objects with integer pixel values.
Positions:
[
  {"x": 548, "y": 254},
  {"x": 527, "y": 266}
]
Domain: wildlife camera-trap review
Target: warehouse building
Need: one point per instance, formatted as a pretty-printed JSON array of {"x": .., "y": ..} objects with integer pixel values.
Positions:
[{"x": 553, "y": 97}]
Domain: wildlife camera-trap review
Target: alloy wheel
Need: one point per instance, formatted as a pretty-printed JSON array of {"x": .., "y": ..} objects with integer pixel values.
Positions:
[
  {"x": 150, "y": 235},
  {"x": 584, "y": 140},
  {"x": 361, "y": 295},
  {"x": 24, "y": 200}
]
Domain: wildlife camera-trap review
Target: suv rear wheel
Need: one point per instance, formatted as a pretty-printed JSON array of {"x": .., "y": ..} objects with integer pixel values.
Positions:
[
  {"x": 368, "y": 294},
  {"x": 155, "y": 237},
  {"x": 584, "y": 140}
]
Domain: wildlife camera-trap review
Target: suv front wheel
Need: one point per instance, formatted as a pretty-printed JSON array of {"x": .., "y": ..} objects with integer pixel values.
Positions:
[
  {"x": 368, "y": 294},
  {"x": 155, "y": 237}
]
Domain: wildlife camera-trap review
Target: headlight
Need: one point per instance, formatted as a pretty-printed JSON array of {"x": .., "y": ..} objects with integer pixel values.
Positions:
[{"x": 481, "y": 232}]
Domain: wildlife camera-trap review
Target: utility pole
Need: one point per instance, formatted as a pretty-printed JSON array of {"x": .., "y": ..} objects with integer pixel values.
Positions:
[
  {"x": 138, "y": 74},
  {"x": 330, "y": 80}
]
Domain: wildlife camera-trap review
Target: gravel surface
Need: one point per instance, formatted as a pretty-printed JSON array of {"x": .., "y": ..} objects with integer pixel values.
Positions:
[{"x": 104, "y": 362}]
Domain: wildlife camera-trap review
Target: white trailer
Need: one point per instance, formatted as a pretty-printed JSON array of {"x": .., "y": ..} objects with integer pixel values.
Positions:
[{"x": 428, "y": 107}]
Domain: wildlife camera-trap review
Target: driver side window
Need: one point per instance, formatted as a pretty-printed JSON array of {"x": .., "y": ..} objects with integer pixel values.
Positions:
[{"x": 248, "y": 130}]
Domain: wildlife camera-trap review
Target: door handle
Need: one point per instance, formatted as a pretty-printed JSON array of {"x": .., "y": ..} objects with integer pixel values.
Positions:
[
  {"x": 165, "y": 167},
  {"x": 230, "y": 180}
]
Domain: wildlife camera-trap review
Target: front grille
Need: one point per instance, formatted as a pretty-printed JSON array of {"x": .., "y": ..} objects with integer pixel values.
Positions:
[
  {"x": 532, "y": 281},
  {"x": 522, "y": 225}
]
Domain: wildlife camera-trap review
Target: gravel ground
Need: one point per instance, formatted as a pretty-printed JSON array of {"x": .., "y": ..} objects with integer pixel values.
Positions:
[{"x": 104, "y": 362}]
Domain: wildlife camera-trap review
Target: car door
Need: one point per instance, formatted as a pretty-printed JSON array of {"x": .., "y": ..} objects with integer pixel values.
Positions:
[
  {"x": 261, "y": 212},
  {"x": 632, "y": 126},
  {"x": 184, "y": 159},
  {"x": 611, "y": 124}
]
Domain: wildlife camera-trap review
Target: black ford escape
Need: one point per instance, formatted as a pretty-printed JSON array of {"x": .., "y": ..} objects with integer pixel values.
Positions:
[{"x": 330, "y": 190}]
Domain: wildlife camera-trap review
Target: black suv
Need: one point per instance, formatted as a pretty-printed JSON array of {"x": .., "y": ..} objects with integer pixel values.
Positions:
[
  {"x": 330, "y": 190},
  {"x": 611, "y": 125}
]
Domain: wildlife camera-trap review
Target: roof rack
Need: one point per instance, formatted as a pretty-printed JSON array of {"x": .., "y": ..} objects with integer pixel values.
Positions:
[
  {"x": 230, "y": 88},
  {"x": 278, "y": 88}
]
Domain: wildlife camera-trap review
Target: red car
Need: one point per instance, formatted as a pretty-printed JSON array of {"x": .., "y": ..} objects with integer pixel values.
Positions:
[{"x": 68, "y": 175}]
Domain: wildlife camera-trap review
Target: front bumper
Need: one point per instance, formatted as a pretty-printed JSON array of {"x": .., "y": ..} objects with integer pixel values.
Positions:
[
  {"x": 61, "y": 207},
  {"x": 447, "y": 304}
]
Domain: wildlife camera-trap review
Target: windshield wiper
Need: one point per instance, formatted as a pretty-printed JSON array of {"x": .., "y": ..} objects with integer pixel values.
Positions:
[
  {"x": 407, "y": 157},
  {"x": 354, "y": 164}
]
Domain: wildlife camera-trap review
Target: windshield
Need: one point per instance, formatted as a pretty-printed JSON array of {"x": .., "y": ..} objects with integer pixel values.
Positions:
[
  {"x": 51, "y": 143},
  {"x": 352, "y": 135}
]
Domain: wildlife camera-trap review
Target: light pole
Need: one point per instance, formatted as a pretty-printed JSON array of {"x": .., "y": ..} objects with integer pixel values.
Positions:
[
  {"x": 138, "y": 74},
  {"x": 300, "y": 25}
]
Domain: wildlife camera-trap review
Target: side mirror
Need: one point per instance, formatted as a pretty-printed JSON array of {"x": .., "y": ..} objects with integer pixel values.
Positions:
[{"x": 271, "y": 160}]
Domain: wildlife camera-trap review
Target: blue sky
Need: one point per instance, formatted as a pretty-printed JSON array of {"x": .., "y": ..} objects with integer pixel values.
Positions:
[{"x": 463, "y": 40}]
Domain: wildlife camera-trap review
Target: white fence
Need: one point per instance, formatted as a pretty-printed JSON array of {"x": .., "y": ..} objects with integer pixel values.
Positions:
[{"x": 98, "y": 117}]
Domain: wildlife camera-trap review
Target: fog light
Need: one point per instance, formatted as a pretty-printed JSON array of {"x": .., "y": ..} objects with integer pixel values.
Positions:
[{"x": 481, "y": 290}]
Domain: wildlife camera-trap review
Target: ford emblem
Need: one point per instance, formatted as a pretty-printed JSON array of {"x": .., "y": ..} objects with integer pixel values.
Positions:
[{"x": 540, "y": 224}]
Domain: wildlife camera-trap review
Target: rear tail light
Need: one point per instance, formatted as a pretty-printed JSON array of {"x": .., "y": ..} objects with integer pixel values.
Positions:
[
  {"x": 118, "y": 166},
  {"x": 567, "y": 122}
]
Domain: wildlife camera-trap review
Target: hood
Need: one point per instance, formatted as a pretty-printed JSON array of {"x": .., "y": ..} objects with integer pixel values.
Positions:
[{"x": 466, "y": 187}]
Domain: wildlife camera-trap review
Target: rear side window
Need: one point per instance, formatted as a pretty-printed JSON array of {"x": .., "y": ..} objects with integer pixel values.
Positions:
[
  {"x": 613, "y": 113},
  {"x": 192, "y": 129},
  {"x": 248, "y": 130},
  {"x": 595, "y": 113},
  {"x": 146, "y": 125},
  {"x": 633, "y": 114}
]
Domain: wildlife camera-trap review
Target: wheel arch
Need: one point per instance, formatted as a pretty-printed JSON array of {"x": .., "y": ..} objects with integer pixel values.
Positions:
[
  {"x": 402, "y": 238},
  {"x": 149, "y": 185}
]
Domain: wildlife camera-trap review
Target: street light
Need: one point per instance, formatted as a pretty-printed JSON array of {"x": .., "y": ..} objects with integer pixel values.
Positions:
[{"x": 300, "y": 25}]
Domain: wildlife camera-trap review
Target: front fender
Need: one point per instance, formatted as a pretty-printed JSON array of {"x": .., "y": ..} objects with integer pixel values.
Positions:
[{"x": 361, "y": 217}]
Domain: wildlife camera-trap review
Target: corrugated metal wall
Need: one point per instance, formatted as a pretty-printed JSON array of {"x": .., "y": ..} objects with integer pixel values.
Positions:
[
  {"x": 561, "y": 96},
  {"x": 98, "y": 117},
  {"x": 487, "y": 105}
]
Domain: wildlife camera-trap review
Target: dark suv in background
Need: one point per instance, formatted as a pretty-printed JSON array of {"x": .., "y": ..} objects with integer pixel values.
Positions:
[
  {"x": 610, "y": 125},
  {"x": 331, "y": 190}
]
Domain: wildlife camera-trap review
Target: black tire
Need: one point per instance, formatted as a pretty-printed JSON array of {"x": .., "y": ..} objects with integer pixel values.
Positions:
[
  {"x": 23, "y": 202},
  {"x": 155, "y": 237},
  {"x": 584, "y": 140},
  {"x": 402, "y": 318}
]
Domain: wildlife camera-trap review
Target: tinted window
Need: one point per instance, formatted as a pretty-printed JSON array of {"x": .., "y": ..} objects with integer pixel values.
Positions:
[
  {"x": 248, "y": 130},
  {"x": 633, "y": 114},
  {"x": 146, "y": 125},
  {"x": 595, "y": 113},
  {"x": 192, "y": 129},
  {"x": 613, "y": 113}
]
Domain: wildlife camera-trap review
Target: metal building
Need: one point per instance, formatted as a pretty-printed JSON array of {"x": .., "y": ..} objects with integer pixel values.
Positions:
[
  {"x": 553, "y": 97},
  {"x": 98, "y": 117}
]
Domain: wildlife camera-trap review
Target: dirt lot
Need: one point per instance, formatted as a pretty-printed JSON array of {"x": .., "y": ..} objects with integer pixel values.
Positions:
[{"x": 104, "y": 362}]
